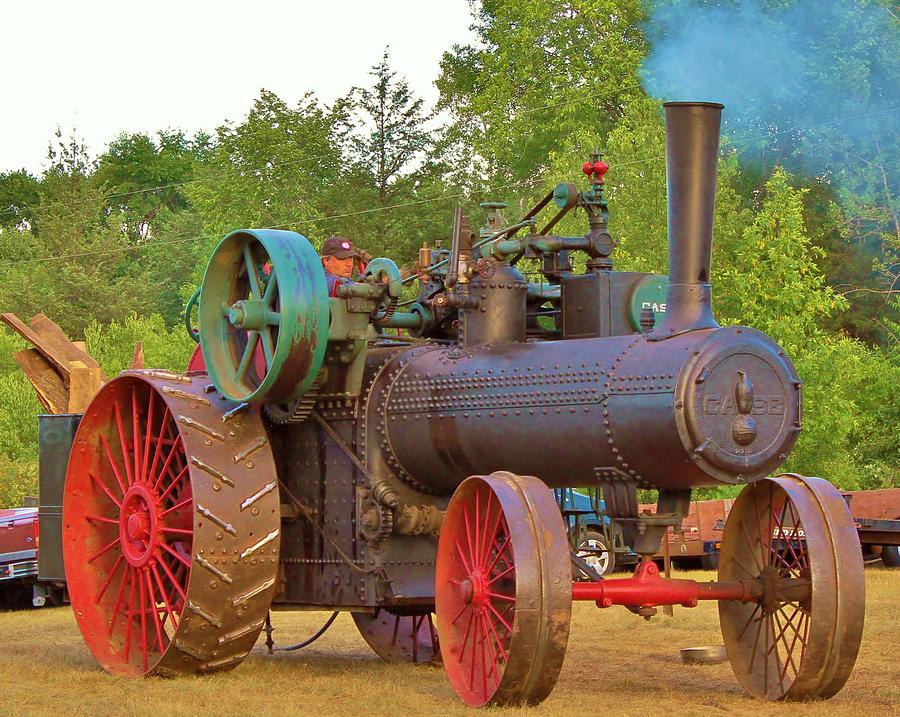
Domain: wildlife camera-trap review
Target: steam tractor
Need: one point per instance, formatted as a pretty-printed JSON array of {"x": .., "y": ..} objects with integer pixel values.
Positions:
[{"x": 317, "y": 459}]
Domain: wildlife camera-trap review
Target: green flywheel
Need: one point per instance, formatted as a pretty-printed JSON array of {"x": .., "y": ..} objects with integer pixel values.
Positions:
[{"x": 263, "y": 316}]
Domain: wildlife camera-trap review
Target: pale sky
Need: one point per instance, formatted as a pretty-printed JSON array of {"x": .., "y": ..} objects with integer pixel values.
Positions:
[{"x": 102, "y": 67}]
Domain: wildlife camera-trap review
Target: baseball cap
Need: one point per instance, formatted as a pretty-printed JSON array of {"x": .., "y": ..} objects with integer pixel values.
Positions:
[{"x": 341, "y": 247}]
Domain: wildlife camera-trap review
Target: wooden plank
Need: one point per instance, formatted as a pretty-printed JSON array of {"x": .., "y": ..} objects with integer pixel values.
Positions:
[
  {"x": 16, "y": 324},
  {"x": 43, "y": 326},
  {"x": 47, "y": 383},
  {"x": 51, "y": 342},
  {"x": 84, "y": 382}
]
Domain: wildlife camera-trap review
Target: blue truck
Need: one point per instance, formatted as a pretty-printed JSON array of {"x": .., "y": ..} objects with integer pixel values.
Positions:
[{"x": 596, "y": 539}]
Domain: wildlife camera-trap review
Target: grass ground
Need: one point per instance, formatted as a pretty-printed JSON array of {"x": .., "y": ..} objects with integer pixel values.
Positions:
[{"x": 617, "y": 664}]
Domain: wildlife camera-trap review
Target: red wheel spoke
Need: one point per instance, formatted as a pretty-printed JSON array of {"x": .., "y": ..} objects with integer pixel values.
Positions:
[
  {"x": 123, "y": 443},
  {"x": 752, "y": 546},
  {"x": 105, "y": 549},
  {"x": 166, "y": 464},
  {"x": 176, "y": 531},
  {"x": 476, "y": 546},
  {"x": 105, "y": 490},
  {"x": 172, "y": 578},
  {"x": 462, "y": 649},
  {"x": 159, "y": 444},
  {"x": 462, "y": 557},
  {"x": 130, "y": 616},
  {"x": 459, "y": 614},
  {"x": 136, "y": 435},
  {"x": 751, "y": 620},
  {"x": 165, "y": 597},
  {"x": 182, "y": 473},
  {"x": 148, "y": 434},
  {"x": 112, "y": 463},
  {"x": 178, "y": 506},
  {"x": 784, "y": 627},
  {"x": 491, "y": 655},
  {"x": 141, "y": 591},
  {"x": 469, "y": 537},
  {"x": 493, "y": 629},
  {"x": 499, "y": 616},
  {"x": 109, "y": 578},
  {"x": 474, "y": 655},
  {"x": 101, "y": 519},
  {"x": 492, "y": 533},
  {"x": 118, "y": 604},
  {"x": 500, "y": 575},
  {"x": 184, "y": 561},
  {"x": 156, "y": 623},
  {"x": 483, "y": 670},
  {"x": 801, "y": 540},
  {"x": 503, "y": 547},
  {"x": 501, "y": 596}
]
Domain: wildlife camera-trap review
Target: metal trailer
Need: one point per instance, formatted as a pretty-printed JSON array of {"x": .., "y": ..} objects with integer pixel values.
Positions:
[
  {"x": 320, "y": 463},
  {"x": 877, "y": 517}
]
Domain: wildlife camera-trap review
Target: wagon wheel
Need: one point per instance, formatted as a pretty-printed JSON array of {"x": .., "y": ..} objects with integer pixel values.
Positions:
[
  {"x": 800, "y": 640},
  {"x": 400, "y": 638},
  {"x": 503, "y": 590},
  {"x": 263, "y": 316},
  {"x": 171, "y": 526}
]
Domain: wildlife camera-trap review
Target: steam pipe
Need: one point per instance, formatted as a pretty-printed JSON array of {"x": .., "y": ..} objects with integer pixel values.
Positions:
[{"x": 692, "y": 152}]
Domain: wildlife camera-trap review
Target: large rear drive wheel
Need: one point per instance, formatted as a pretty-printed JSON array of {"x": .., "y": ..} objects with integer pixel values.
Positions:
[
  {"x": 171, "y": 526},
  {"x": 800, "y": 640},
  {"x": 503, "y": 590}
]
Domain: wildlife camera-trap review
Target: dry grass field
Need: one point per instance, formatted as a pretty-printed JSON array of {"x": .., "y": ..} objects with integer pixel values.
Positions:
[{"x": 617, "y": 664}]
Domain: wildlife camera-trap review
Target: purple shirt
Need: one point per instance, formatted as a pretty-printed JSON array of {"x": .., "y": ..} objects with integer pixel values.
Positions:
[{"x": 333, "y": 281}]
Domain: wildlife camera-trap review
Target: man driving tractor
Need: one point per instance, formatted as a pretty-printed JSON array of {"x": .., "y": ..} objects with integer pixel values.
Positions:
[{"x": 338, "y": 259}]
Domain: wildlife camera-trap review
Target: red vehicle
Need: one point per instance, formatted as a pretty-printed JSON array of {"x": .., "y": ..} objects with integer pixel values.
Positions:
[{"x": 18, "y": 554}]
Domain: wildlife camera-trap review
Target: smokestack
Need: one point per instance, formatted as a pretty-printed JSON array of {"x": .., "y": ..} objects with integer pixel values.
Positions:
[{"x": 692, "y": 152}]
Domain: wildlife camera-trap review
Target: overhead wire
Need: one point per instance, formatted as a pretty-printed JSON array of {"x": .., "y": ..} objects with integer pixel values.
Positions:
[
  {"x": 316, "y": 220},
  {"x": 291, "y": 222}
]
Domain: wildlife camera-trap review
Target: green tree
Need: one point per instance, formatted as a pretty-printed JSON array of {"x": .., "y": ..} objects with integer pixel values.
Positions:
[
  {"x": 144, "y": 177},
  {"x": 541, "y": 78},
  {"x": 91, "y": 281},
  {"x": 388, "y": 134},
  {"x": 277, "y": 168},
  {"x": 19, "y": 194}
]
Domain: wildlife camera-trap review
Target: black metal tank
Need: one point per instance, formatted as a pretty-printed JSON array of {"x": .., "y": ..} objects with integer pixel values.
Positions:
[{"x": 689, "y": 404}]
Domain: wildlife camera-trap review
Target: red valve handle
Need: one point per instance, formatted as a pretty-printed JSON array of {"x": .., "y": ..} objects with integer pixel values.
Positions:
[{"x": 596, "y": 169}]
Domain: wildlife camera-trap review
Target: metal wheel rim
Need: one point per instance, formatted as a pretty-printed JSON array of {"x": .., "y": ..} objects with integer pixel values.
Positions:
[
  {"x": 166, "y": 573},
  {"x": 263, "y": 316},
  {"x": 509, "y": 587},
  {"x": 597, "y": 556},
  {"x": 793, "y": 650},
  {"x": 400, "y": 638}
]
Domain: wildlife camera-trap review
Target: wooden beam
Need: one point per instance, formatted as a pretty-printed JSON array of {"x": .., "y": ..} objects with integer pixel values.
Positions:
[{"x": 47, "y": 383}]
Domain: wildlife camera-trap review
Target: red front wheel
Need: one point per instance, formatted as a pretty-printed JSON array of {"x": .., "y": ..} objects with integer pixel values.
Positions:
[{"x": 503, "y": 590}]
